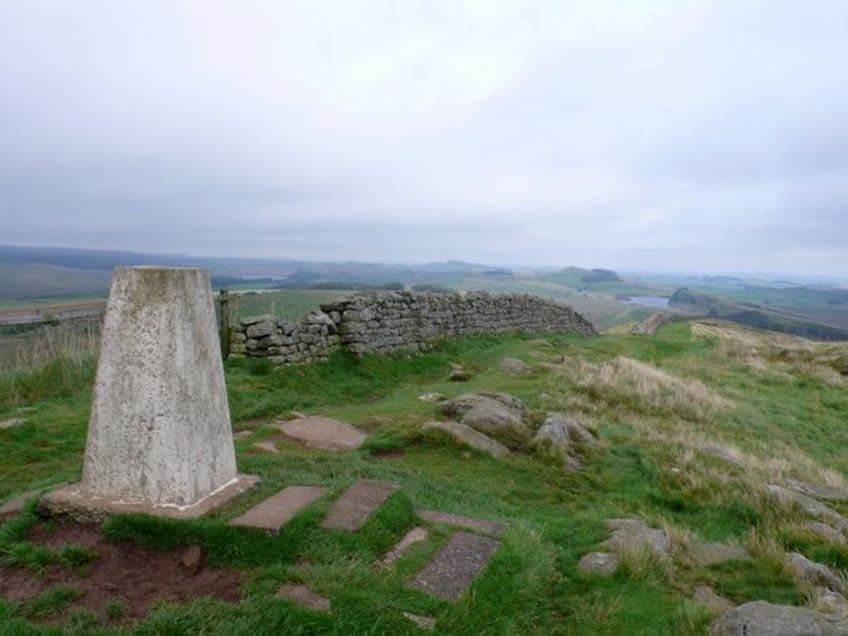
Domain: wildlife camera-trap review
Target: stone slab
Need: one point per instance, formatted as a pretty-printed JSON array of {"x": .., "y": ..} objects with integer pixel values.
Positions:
[
  {"x": 70, "y": 501},
  {"x": 484, "y": 526},
  {"x": 357, "y": 504},
  {"x": 304, "y": 597},
  {"x": 276, "y": 511},
  {"x": 456, "y": 566},
  {"x": 324, "y": 433},
  {"x": 416, "y": 535}
]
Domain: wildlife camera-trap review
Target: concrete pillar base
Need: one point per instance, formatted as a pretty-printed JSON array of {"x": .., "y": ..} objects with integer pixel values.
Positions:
[{"x": 71, "y": 502}]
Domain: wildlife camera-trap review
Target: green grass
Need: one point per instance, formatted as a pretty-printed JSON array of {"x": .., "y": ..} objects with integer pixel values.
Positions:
[
  {"x": 645, "y": 466},
  {"x": 291, "y": 304}
]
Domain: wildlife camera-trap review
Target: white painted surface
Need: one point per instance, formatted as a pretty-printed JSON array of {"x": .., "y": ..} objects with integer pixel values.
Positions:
[{"x": 160, "y": 429}]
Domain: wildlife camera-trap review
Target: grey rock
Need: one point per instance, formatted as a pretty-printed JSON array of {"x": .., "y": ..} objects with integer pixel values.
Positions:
[
  {"x": 765, "y": 619},
  {"x": 707, "y": 554},
  {"x": 464, "y": 434},
  {"x": 825, "y": 531},
  {"x": 193, "y": 559},
  {"x": 633, "y": 535},
  {"x": 12, "y": 423},
  {"x": 598, "y": 563},
  {"x": 704, "y": 595},
  {"x": 809, "y": 505},
  {"x": 552, "y": 437},
  {"x": 497, "y": 421},
  {"x": 514, "y": 366},
  {"x": 578, "y": 433},
  {"x": 461, "y": 405},
  {"x": 829, "y": 602},
  {"x": 261, "y": 329},
  {"x": 826, "y": 493},
  {"x": 252, "y": 320},
  {"x": 814, "y": 573}
]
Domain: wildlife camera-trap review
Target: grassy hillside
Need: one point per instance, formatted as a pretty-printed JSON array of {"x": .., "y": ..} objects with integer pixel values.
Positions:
[{"x": 775, "y": 405}]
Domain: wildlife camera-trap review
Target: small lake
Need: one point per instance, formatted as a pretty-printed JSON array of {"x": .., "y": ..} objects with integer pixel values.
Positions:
[{"x": 655, "y": 302}]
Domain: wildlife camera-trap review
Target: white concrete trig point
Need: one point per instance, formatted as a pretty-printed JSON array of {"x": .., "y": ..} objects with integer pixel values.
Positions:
[{"x": 160, "y": 438}]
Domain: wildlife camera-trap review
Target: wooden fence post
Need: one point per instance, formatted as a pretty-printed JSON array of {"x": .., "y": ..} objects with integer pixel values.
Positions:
[{"x": 224, "y": 322}]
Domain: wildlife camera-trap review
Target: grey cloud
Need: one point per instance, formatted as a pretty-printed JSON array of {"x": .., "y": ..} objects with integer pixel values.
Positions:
[{"x": 669, "y": 135}]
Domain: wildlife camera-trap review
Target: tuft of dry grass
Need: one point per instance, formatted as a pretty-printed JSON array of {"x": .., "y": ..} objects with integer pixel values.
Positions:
[
  {"x": 641, "y": 387},
  {"x": 776, "y": 352}
]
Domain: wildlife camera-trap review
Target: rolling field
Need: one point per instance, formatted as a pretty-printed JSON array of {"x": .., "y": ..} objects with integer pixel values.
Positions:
[{"x": 774, "y": 405}]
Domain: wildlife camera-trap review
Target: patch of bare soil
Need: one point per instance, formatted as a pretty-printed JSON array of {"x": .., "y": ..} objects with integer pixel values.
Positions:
[{"x": 135, "y": 575}]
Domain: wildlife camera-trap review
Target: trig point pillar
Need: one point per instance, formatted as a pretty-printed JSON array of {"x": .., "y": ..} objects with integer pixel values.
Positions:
[{"x": 160, "y": 438}]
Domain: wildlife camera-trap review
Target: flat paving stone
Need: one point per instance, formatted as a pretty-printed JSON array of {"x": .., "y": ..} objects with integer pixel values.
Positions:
[
  {"x": 357, "y": 504},
  {"x": 485, "y": 526},
  {"x": 456, "y": 566},
  {"x": 276, "y": 511},
  {"x": 304, "y": 597},
  {"x": 317, "y": 431},
  {"x": 416, "y": 535}
]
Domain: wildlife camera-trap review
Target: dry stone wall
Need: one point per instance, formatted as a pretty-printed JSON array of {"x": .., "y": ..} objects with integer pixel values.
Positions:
[{"x": 395, "y": 322}]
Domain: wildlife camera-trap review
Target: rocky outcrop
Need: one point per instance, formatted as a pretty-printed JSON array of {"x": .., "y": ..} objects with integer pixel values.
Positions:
[
  {"x": 558, "y": 433},
  {"x": 402, "y": 321},
  {"x": 467, "y": 436},
  {"x": 497, "y": 415},
  {"x": 765, "y": 619}
]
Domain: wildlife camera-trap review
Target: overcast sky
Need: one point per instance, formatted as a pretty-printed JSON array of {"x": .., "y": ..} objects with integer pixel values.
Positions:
[{"x": 678, "y": 136}]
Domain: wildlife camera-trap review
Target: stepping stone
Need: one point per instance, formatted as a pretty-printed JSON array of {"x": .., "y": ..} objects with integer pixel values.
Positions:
[
  {"x": 427, "y": 623},
  {"x": 357, "y": 504},
  {"x": 485, "y": 526},
  {"x": 304, "y": 597},
  {"x": 273, "y": 513},
  {"x": 456, "y": 566},
  {"x": 416, "y": 535},
  {"x": 323, "y": 433}
]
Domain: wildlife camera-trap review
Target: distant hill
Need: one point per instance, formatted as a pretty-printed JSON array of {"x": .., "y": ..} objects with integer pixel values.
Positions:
[{"x": 753, "y": 315}]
